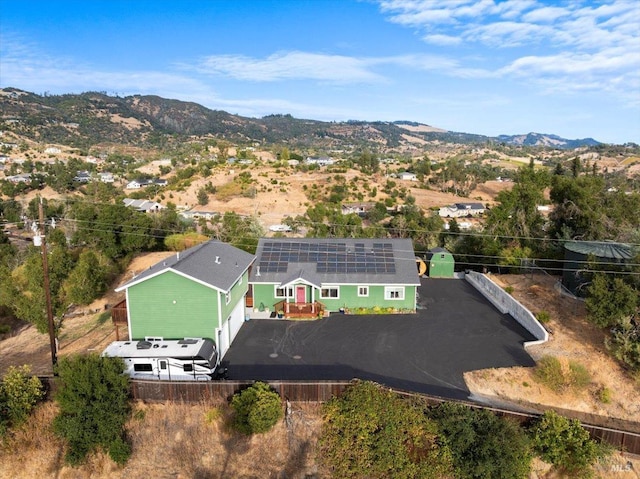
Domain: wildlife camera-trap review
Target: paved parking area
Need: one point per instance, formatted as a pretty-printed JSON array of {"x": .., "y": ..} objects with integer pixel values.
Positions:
[{"x": 455, "y": 330}]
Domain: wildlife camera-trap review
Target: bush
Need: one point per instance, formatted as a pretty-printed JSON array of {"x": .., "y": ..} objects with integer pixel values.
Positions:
[
  {"x": 564, "y": 443},
  {"x": 94, "y": 407},
  {"x": 580, "y": 376},
  {"x": 543, "y": 317},
  {"x": 371, "y": 432},
  {"x": 549, "y": 372},
  {"x": 257, "y": 409},
  {"x": 19, "y": 394},
  {"x": 483, "y": 445}
]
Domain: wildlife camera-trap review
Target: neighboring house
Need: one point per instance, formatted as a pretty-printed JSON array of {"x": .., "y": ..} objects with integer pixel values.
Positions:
[
  {"x": 440, "y": 263},
  {"x": 198, "y": 293},
  {"x": 106, "y": 177},
  {"x": 82, "y": 177},
  {"x": 306, "y": 277},
  {"x": 197, "y": 214},
  {"x": 145, "y": 206},
  {"x": 319, "y": 160},
  {"x": 461, "y": 210},
  {"x": 359, "y": 209},
  {"x": 140, "y": 183},
  {"x": 21, "y": 178},
  {"x": 407, "y": 176}
]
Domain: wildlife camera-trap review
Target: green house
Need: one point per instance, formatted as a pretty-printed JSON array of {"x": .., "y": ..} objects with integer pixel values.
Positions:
[
  {"x": 199, "y": 292},
  {"x": 440, "y": 263},
  {"x": 305, "y": 277}
]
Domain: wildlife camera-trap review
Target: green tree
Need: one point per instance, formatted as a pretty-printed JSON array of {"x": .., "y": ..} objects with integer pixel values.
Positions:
[
  {"x": 93, "y": 396},
  {"x": 610, "y": 300},
  {"x": 257, "y": 409},
  {"x": 203, "y": 197},
  {"x": 19, "y": 394},
  {"x": 483, "y": 445},
  {"x": 370, "y": 432},
  {"x": 88, "y": 279},
  {"x": 564, "y": 443}
]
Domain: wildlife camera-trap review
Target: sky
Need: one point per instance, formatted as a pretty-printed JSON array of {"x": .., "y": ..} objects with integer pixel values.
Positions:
[{"x": 490, "y": 67}]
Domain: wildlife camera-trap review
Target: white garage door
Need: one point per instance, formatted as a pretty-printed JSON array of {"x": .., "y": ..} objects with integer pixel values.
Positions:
[
  {"x": 236, "y": 320},
  {"x": 223, "y": 339}
]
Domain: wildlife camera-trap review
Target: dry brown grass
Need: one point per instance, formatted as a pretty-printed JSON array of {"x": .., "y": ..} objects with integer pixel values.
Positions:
[{"x": 174, "y": 440}]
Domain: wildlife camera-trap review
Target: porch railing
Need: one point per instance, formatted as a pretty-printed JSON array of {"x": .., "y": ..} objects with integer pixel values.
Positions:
[{"x": 300, "y": 310}]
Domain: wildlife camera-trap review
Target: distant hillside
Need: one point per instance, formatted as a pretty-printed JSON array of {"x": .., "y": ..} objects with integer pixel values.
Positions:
[
  {"x": 86, "y": 119},
  {"x": 541, "y": 139}
]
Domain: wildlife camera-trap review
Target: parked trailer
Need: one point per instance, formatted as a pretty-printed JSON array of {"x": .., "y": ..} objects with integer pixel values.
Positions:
[{"x": 188, "y": 359}]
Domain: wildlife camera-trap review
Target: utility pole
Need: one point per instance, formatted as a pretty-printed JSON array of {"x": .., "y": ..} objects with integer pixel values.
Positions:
[{"x": 47, "y": 290}]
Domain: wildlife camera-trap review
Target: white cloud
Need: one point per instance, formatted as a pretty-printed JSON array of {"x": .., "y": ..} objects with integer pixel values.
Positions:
[
  {"x": 290, "y": 66},
  {"x": 441, "y": 39}
]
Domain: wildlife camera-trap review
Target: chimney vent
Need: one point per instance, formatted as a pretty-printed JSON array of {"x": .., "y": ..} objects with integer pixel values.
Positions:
[
  {"x": 217, "y": 259},
  {"x": 257, "y": 270}
]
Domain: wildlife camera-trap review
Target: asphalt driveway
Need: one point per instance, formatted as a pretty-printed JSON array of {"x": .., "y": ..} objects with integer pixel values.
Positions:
[{"x": 455, "y": 330}]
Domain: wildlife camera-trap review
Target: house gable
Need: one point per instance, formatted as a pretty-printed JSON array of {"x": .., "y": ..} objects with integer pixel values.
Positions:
[{"x": 172, "y": 306}]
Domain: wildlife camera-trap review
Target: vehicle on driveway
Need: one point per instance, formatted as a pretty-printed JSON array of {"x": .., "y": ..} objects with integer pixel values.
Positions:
[{"x": 188, "y": 359}]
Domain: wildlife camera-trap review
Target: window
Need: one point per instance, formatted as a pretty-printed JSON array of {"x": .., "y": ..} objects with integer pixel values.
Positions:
[
  {"x": 142, "y": 367},
  {"x": 163, "y": 365},
  {"x": 187, "y": 367},
  {"x": 332, "y": 292},
  {"x": 394, "y": 292},
  {"x": 284, "y": 292},
  {"x": 363, "y": 290},
  {"x": 442, "y": 256}
]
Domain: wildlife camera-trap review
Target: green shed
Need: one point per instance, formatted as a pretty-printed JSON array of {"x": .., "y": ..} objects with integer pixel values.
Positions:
[{"x": 440, "y": 263}]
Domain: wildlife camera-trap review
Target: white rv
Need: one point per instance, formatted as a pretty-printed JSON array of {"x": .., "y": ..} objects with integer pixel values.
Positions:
[{"x": 188, "y": 359}]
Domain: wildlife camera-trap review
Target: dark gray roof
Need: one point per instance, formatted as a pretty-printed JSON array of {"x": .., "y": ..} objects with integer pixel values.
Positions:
[
  {"x": 335, "y": 261},
  {"x": 435, "y": 250},
  {"x": 604, "y": 249},
  {"x": 200, "y": 264}
]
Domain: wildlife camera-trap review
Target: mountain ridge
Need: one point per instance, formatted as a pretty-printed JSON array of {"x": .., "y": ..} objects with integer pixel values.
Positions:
[{"x": 93, "y": 117}]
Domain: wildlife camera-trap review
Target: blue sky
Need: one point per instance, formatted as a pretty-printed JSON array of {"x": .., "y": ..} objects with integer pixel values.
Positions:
[{"x": 491, "y": 67}]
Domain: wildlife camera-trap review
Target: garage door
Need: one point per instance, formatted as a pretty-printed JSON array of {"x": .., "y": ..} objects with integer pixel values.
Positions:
[
  {"x": 236, "y": 320},
  {"x": 223, "y": 339}
]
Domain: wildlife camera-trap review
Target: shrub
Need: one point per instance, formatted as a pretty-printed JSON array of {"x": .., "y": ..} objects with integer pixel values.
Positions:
[
  {"x": 549, "y": 372},
  {"x": 604, "y": 395},
  {"x": 580, "y": 376},
  {"x": 543, "y": 317},
  {"x": 508, "y": 289},
  {"x": 564, "y": 443},
  {"x": 94, "y": 407},
  {"x": 19, "y": 394},
  {"x": 371, "y": 432},
  {"x": 257, "y": 409},
  {"x": 483, "y": 445}
]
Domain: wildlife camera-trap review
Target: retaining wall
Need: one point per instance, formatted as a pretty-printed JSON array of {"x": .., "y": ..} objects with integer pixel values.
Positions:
[{"x": 507, "y": 304}]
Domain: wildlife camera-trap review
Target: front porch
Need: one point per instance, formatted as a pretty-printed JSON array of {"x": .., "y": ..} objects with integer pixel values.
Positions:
[{"x": 294, "y": 310}]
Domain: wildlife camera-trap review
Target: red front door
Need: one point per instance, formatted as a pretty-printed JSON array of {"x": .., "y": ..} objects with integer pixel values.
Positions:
[{"x": 301, "y": 296}]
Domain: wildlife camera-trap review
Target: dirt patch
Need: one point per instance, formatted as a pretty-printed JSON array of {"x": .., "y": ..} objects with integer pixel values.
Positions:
[{"x": 571, "y": 338}]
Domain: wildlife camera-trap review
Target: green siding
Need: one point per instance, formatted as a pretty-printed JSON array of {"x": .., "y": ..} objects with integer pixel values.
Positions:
[
  {"x": 441, "y": 267},
  {"x": 349, "y": 298},
  {"x": 264, "y": 293},
  {"x": 237, "y": 293},
  {"x": 173, "y": 307}
]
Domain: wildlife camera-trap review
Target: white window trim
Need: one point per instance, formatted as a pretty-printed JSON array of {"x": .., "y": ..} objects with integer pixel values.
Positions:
[
  {"x": 366, "y": 291},
  {"x": 388, "y": 290},
  {"x": 227, "y": 298},
  {"x": 337, "y": 288},
  {"x": 288, "y": 292}
]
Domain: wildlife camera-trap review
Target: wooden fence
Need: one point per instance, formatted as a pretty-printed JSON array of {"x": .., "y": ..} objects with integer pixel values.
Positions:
[{"x": 321, "y": 391}]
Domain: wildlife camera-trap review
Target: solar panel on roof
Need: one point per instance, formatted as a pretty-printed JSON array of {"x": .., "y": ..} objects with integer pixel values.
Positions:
[{"x": 329, "y": 257}]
